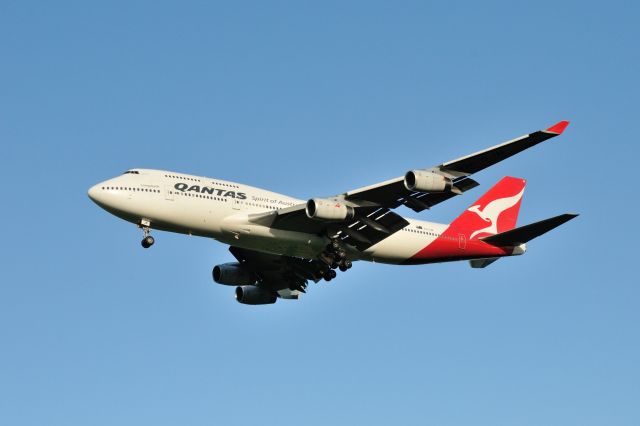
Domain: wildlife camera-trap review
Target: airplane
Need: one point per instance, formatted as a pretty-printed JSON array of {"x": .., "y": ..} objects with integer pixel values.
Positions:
[{"x": 281, "y": 243}]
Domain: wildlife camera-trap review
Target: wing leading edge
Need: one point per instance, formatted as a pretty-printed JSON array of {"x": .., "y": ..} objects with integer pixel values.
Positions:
[{"x": 393, "y": 192}]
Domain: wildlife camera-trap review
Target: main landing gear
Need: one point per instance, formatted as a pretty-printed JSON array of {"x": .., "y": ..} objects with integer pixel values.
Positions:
[
  {"x": 335, "y": 257},
  {"x": 147, "y": 239}
]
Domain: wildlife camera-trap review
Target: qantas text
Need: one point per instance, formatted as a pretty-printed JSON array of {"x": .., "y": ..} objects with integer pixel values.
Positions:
[{"x": 213, "y": 191}]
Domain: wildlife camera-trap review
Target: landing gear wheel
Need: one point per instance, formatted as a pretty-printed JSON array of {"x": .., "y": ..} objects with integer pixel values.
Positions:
[
  {"x": 329, "y": 275},
  {"x": 147, "y": 241},
  {"x": 345, "y": 264}
]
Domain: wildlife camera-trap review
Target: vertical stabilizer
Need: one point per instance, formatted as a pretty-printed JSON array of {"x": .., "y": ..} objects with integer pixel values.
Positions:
[{"x": 495, "y": 212}]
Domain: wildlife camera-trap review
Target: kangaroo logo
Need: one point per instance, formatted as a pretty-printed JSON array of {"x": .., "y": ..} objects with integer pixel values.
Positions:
[{"x": 492, "y": 212}]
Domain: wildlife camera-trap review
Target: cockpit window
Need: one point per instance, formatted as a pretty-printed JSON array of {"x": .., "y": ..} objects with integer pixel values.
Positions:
[{"x": 133, "y": 172}]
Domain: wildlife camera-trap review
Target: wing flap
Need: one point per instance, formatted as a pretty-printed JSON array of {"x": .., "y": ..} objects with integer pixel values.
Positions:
[
  {"x": 372, "y": 225},
  {"x": 420, "y": 201}
]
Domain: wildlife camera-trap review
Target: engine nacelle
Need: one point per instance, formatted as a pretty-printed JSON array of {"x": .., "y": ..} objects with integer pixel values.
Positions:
[
  {"x": 423, "y": 181},
  {"x": 322, "y": 209},
  {"x": 252, "y": 295},
  {"x": 233, "y": 274}
]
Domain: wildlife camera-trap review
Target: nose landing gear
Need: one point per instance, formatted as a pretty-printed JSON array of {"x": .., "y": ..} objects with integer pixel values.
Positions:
[{"x": 147, "y": 239}]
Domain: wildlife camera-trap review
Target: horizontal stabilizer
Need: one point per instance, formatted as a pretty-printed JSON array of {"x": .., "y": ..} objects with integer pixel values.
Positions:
[
  {"x": 482, "y": 263},
  {"x": 527, "y": 233}
]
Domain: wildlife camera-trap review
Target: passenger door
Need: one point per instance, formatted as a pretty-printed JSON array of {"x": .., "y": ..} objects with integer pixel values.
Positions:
[
  {"x": 168, "y": 193},
  {"x": 462, "y": 241}
]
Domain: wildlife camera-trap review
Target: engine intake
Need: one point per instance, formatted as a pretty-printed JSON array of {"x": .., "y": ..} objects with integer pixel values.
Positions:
[
  {"x": 233, "y": 274},
  {"x": 423, "y": 181},
  {"x": 252, "y": 295},
  {"x": 323, "y": 209}
]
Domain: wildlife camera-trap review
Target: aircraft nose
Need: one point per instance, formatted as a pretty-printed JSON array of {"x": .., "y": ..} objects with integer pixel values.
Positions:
[
  {"x": 93, "y": 192},
  {"x": 98, "y": 195}
]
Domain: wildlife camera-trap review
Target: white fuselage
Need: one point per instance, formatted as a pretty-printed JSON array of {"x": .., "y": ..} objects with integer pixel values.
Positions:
[{"x": 221, "y": 210}]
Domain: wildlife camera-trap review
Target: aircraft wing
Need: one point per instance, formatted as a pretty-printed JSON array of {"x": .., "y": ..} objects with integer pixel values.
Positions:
[
  {"x": 393, "y": 193},
  {"x": 284, "y": 274},
  {"x": 372, "y": 219}
]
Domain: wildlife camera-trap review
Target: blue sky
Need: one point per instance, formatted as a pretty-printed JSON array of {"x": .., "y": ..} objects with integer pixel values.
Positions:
[{"x": 312, "y": 99}]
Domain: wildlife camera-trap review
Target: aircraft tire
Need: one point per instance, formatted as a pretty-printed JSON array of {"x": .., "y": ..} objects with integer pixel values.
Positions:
[{"x": 147, "y": 241}]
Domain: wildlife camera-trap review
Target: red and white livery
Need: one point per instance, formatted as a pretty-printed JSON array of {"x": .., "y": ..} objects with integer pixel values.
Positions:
[{"x": 281, "y": 243}]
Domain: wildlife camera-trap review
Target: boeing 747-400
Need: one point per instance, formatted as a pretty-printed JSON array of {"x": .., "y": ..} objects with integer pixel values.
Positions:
[{"x": 281, "y": 243}]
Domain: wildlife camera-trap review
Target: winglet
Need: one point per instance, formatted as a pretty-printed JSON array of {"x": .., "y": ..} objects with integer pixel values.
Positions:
[{"x": 558, "y": 128}]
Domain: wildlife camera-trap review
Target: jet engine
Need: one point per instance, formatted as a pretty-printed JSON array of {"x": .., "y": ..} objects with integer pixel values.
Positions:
[
  {"x": 323, "y": 209},
  {"x": 252, "y": 295},
  {"x": 233, "y": 274},
  {"x": 423, "y": 181}
]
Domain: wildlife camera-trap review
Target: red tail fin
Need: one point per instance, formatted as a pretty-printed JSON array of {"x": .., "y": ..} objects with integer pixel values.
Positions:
[{"x": 496, "y": 211}]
